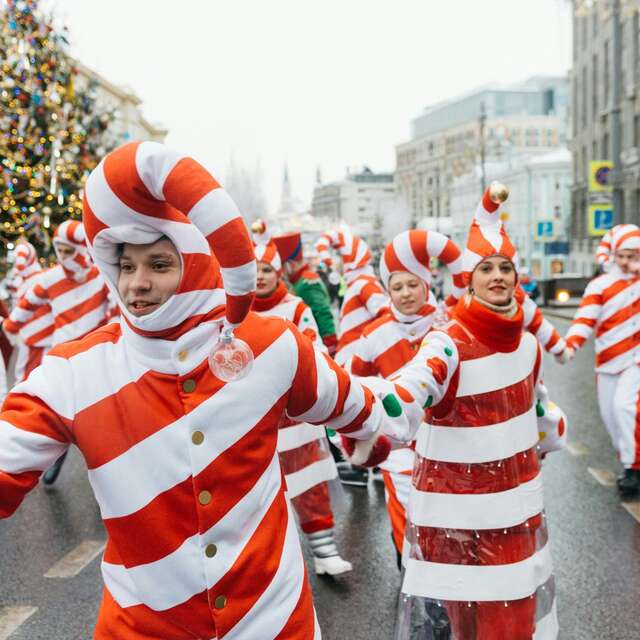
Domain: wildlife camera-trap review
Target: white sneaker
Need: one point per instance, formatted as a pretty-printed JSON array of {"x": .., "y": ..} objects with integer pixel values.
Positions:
[{"x": 333, "y": 565}]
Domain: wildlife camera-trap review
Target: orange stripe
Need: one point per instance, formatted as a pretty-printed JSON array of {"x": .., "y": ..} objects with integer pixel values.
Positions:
[
  {"x": 187, "y": 183},
  {"x": 301, "y": 623},
  {"x": 397, "y": 513},
  {"x": 231, "y": 244},
  {"x": 617, "y": 349}
]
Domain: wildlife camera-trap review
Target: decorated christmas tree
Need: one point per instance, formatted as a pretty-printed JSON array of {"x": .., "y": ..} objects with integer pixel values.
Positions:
[{"x": 52, "y": 133}]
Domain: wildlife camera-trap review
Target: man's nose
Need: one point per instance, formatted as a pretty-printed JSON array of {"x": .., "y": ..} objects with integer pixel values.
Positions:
[{"x": 141, "y": 281}]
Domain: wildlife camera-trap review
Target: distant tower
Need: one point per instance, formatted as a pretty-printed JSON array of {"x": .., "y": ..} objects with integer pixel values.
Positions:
[
  {"x": 286, "y": 201},
  {"x": 318, "y": 175}
]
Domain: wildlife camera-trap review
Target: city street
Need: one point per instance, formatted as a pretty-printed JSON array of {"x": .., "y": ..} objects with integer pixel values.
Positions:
[{"x": 50, "y": 549}]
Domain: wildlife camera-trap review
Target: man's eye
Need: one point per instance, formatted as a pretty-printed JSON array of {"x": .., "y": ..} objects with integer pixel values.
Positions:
[
  {"x": 126, "y": 268},
  {"x": 160, "y": 265}
]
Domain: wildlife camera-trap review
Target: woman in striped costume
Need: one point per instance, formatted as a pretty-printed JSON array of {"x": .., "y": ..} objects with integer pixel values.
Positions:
[
  {"x": 391, "y": 341},
  {"x": 303, "y": 448},
  {"x": 479, "y": 566},
  {"x": 611, "y": 307},
  {"x": 184, "y": 467},
  {"x": 364, "y": 298}
]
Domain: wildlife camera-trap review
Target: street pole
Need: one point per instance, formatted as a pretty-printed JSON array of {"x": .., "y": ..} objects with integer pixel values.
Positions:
[
  {"x": 616, "y": 125},
  {"x": 529, "y": 217},
  {"x": 482, "y": 119}
]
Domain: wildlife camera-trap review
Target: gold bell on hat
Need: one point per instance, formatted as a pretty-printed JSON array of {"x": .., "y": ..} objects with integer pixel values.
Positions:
[
  {"x": 498, "y": 192},
  {"x": 258, "y": 226}
]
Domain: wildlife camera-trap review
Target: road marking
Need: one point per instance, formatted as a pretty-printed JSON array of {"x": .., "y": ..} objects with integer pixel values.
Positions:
[
  {"x": 75, "y": 561},
  {"x": 633, "y": 508},
  {"x": 605, "y": 477},
  {"x": 12, "y": 617},
  {"x": 576, "y": 448}
]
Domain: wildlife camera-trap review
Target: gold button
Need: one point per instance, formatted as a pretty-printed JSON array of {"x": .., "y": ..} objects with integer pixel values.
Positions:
[
  {"x": 197, "y": 437},
  {"x": 412, "y": 333},
  {"x": 210, "y": 550},
  {"x": 204, "y": 497},
  {"x": 189, "y": 385},
  {"x": 182, "y": 355},
  {"x": 220, "y": 602}
]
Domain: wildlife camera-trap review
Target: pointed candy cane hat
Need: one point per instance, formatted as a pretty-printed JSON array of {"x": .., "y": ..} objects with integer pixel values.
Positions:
[
  {"x": 264, "y": 248},
  {"x": 143, "y": 191}
]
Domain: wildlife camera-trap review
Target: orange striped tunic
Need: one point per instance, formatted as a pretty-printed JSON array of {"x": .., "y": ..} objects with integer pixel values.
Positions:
[{"x": 200, "y": 539}]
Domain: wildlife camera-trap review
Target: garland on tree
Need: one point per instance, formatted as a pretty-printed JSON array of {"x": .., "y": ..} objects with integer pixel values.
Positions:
[{"x": 52, "y": 132}]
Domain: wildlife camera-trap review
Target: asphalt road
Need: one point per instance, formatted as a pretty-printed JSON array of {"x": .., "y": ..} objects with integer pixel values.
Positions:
[{"x": 595, "y": 542}]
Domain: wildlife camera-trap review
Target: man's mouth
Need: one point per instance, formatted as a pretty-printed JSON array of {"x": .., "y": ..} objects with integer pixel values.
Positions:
[{"x": 142, "y": 307}]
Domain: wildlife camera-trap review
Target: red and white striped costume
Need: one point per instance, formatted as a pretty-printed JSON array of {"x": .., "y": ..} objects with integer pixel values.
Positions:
[
  {"x": 479, "y": 560},
  {"x": 304, "y": 454},
  {"x": 611, "y": 307},
  {"x": 391, "y": 341},
  {"x": 73, "y": 290},
  {"x": 34, "y": 336},
  {"x": 184, "y": 466},
  {"x": 364, "y": 298},
  {"x": 618, "y": 236}
]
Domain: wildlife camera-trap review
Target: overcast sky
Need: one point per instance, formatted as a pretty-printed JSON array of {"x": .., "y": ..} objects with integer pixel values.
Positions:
[{"x": 333, "y": 83}]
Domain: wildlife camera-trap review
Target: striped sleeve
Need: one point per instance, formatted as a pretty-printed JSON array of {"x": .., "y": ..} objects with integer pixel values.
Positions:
[
  {"x": 544, "y": 332},
  {"x": 362, "y": 363},
  {"x": 323, "y": 393},
  {"x": 586, "y": 316},
  {"x": 423, "y": 383},
  {"x": 35, "y": 430},
  {"x": 326, "y": 240},
  {"x": 374, "y": 298},
  {"x": 305, "y": 322},
  {"x": 23, "y": 312}
]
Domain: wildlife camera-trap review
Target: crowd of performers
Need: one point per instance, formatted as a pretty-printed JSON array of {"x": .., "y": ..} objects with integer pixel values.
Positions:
[{"x": 207, "y": 485}]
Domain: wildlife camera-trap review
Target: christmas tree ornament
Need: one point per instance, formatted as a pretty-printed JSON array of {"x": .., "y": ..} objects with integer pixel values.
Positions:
[{"x": 231, "y": 359}]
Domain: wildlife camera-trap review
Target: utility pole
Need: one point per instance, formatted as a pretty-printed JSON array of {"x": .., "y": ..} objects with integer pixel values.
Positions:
[
  {"x": 616, "y": 125},
  {"x": 481, "y": 120}
]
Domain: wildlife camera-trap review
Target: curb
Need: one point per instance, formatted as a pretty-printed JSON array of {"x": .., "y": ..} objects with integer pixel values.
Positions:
[{"x": 552, "y": 313}]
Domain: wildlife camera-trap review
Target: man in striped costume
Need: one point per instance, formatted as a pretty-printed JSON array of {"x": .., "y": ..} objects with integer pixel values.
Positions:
[
  {"x": 34, "y": 336},
  {"x": 184, "y": 466},
  {"x": 611, "y": 307},
  {"x": 364, "y": 298},
  {"x": 391, "y": 341},
  {"x": 479, "y": 566}
]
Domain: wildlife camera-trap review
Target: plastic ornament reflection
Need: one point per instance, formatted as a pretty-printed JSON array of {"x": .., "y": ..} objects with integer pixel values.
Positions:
[{"x": 231, "y": 359}]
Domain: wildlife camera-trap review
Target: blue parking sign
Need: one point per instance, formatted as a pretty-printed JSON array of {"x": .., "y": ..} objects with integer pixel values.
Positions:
[
  {"x": 545, "y": 230},
  {"x": 600, "y": 218}
]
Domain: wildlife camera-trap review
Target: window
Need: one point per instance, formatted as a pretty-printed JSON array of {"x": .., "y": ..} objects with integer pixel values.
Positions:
[
  {"x": 605, "y": 73},
  {"x": 584, "y": 96},
  {"x": 604, "y": 149},
  {"x": 594, "y": 86}
]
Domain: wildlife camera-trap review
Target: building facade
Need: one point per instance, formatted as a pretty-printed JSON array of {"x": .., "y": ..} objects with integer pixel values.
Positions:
[
  {"x": 451, "y": 138},
  {"x": 129, "y": 123},
  {"x": 361, "y": 200},
  {"x": 537, "y": 214},
  {"x": 592, "y": 108}
]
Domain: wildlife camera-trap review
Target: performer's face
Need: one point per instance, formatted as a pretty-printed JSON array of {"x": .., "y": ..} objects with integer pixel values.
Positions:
[
  {"x": 64, "y": 250},
  {"x": 267, "y": 281},
  {"x": 408, "y": 293},
  {"x": 627, "y": 259},
  {"x": 494, "y": 280},
  {"x": 149, "y": 275}
]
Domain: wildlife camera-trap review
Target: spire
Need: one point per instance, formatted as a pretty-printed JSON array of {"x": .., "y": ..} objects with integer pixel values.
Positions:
[
  {"x": 286, "y": 203},
  {"x": 318, "y": 175}
]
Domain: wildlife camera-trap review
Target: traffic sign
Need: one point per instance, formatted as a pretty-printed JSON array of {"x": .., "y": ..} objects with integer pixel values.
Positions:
[
  {"x": 600, "y": 173},
  {"x": 599, "y": 218},
  {"x": 545, "y": 230}
]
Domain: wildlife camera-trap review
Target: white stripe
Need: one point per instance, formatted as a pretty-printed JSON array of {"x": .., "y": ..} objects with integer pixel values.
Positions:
[
  {"x": 353, "y": 405},
  {"x": 478, "y": 444},
  {"x": 354, "y": 319},
  {"x": 278, "y": 601},
  {"x": 213, "y": 211},
  {"x": 12, "y": 617},
  {"x": 326, "y": 392},
  {"x": 399, "y": 460},
  {"x": 402, "y": 247},
  {"x": 298, "y": 434},
  {"x": 477, "y": 510},
  {"x": 547, "y": 627},
  {"x": 79, "y": 294},
  {"x": 178, "y": 576},
  {"x": 499, "y": 370},
  {"x": 124, "y": 485},
  {"x": 154, "y": 162},
  {"x": 37, "y": 325},
  {"x": 476, "y": 583},
  {"x": 83, "y": 325},
  {"x": 76, "y": 560},
  {"x": 22, "y": 450},
  {"x": 320, "y": 471},
  {"x": 239, "y": 281}
]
